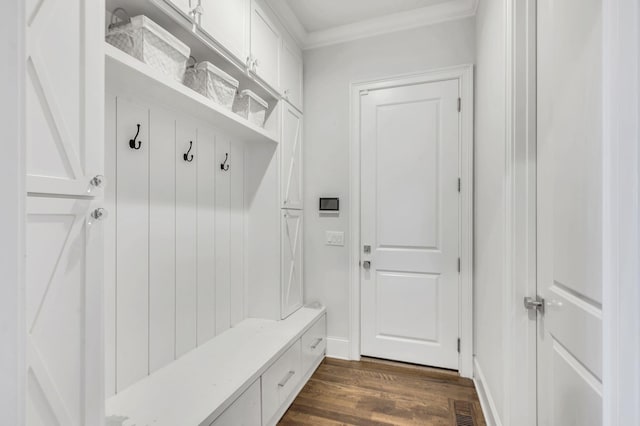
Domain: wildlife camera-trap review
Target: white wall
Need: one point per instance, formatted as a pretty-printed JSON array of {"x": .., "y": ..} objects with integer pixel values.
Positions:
[
  {"x": 327, "y": 76},
  {"x": 489, "y": 243}
]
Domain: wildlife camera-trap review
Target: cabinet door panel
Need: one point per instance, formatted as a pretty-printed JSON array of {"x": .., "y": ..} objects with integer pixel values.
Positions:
[
  {"x": 291, "y": 157},
  {"x": 291, "y": 73},
  {"x": 223, "y": 234},
  {"x": 265, "y": 45},
  {"x": 184, "y": 5},
  {"x": 291, "y": 289},
  {"x": 227, "y": 22}
]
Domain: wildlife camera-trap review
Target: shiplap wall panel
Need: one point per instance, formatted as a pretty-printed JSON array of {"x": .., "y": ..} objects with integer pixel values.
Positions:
[
  {"x": 236, "y": 246},
  {"x": 132, "y": 246},
  {"x": 206, "y": 235},
  {"x": 186, "y": 231},
  {"x": 223, "y": 235},
  {"x": 162, "y": 238}
]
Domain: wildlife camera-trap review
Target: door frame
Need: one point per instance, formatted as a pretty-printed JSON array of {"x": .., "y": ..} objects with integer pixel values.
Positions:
[{"x": 464, "y": 75}]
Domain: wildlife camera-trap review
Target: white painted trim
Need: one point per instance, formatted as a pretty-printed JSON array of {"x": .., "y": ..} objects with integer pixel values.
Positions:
[
  {"x": 464, "y": 75},
  {"x": 520, "y": 338},
  {"x": 489, "y": 410},
  {"x": 338, "y": 348},
  {"x": 429, "y": 15},
  {"x": 621, "y": 210},
  {"x": 12, "y": 234}
]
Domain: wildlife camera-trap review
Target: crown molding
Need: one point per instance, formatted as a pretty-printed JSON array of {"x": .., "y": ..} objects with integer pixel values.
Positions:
[{"x": 448, "y": 11}]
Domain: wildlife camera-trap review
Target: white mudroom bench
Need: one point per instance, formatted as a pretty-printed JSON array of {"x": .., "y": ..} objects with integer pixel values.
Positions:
[{"x": 248, "y": 375}]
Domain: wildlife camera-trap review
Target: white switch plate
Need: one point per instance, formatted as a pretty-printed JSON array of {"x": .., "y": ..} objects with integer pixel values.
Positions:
[{"x": 334, "y": 238}]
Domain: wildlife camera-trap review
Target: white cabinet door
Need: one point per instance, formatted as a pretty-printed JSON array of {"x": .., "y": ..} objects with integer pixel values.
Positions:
[
  {"x": 245, "y": 411},
  {"x": 291, "y": 73},
  {"x": 184, "y": 5},
  {"x": 227, "y": 21},
  {"x": 291, "y": 290},
  {"x": 64, "y": 116},
  {"x": 291, "y": 158},
  {"x": 265, "y": 45}
]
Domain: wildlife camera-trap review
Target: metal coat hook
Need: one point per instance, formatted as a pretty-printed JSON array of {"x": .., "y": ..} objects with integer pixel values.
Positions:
[
  {"x": 132, "y": 142},
  {"x": 186, "y": 156},
  {"x": 224, "y": 166}
]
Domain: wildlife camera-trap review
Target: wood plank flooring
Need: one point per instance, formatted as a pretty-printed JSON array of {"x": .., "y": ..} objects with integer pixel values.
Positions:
[{"x": 375, "y": 392}]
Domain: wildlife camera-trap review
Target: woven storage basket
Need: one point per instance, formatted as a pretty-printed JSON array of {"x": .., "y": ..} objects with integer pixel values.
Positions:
[
  {"x": 251, "y": 106},
  {"x": 210, "y": 81},
  {"x": 145, "y": 40}
]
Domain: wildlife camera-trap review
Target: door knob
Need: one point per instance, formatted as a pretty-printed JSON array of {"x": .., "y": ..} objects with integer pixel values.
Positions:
[
  {"x": 99, "y": 214},
  {"x": 534, "y": 304},
  {"x": 366, "y": 264}
]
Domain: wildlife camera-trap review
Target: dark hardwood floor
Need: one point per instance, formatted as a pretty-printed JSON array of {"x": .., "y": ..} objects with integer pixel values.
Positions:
[{"x": 375, "y": 392}]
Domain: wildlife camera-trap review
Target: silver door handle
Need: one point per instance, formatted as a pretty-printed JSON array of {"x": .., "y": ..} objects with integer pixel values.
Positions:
[
  {"x": 317, "y": 342},
  {"x": 366, "y": 264},
  {"x": 534, "y": 304}
]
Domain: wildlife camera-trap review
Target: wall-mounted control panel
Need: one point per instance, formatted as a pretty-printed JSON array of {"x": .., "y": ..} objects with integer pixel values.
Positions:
[{"x": 329, "y": 205}]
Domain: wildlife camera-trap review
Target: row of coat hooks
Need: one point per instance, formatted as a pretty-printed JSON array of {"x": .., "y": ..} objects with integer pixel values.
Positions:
[{"x": 187, "y": 156}]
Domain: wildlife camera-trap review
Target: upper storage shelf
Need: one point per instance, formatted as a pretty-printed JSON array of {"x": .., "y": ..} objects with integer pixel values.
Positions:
[{"x": 126, "y": 73}]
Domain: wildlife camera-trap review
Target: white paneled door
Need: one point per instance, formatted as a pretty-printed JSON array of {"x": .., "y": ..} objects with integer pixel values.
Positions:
[
  {"x": 570, "y": 222},
  {"x": 64, "y": 115},
  {"x": 410, "y": 223},
  {"x": 291, "y": 261}
]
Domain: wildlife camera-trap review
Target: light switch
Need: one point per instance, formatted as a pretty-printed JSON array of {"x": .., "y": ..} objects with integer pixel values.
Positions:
[{"x": 334, "y": 238}]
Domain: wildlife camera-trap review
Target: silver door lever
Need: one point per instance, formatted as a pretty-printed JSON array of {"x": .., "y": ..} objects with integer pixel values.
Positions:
[{"x": 366, "y": 264}]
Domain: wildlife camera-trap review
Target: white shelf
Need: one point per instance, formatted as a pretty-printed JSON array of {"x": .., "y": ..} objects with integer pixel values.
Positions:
[
  {"x": 198, "y": 387},
  {"x": 125, "y": 73}
]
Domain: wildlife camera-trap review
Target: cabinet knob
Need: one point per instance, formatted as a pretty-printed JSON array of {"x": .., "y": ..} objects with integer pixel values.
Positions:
[
  {"x": 99, "y": 214},
  {"x": 97, "y": 181}
]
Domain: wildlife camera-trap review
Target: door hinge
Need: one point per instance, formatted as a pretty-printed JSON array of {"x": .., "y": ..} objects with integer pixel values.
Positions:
[
  {"x": 459, "y": 184},
  {"x": 459, "y": 104},
  {"x": 458, "y": 345},
  {"x": 458, "y": 265}
]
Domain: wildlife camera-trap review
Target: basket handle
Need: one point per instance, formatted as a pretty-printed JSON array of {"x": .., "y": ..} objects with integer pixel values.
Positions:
[
  {"x": 123, "y": 21},
  {"x": 192, "y": 62}
]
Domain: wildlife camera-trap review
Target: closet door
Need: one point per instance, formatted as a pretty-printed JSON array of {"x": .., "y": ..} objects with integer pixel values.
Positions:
[
  {"x": 291, "y": 73},
  {"x": 291, "y": 271},
  {"x": 291, "y": 158},
  {"x": 227, "y": 21},
  {"x": 64, "y": 113},
  {"x": 265, "y": 45}
]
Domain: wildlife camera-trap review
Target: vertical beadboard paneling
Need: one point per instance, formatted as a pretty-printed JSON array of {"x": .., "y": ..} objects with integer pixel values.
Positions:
[
  {"x": 186, "y": 265},
  {"x": 132, "y": 245},
  {"x": 206, "y": 235},
  {"x": 223, "y": 278},
  {"x": 236, "y": 246},
  {"x": 110, "y": 247},
  {"x": 162, "y": 238}
]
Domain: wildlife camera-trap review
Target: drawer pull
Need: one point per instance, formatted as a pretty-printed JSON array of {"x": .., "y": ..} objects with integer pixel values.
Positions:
[
  {"x": 316, "y": 343},
  {"x": 284, "y": 381}
]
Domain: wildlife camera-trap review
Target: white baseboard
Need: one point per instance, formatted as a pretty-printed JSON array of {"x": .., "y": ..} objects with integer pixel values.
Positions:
[
  {"x": 337, "y": 348},
  {"x": 487, "y": 403}
]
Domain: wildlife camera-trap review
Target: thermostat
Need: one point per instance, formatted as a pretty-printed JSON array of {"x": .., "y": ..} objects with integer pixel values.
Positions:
[{"x": 329, "y": 204}]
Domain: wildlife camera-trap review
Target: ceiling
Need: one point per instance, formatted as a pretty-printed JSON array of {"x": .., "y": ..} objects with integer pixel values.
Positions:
[{"x": 318, "y": 15}]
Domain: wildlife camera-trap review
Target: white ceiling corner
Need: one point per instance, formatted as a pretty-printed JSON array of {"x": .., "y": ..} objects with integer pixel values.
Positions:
[{"x": 411, "y": 17}]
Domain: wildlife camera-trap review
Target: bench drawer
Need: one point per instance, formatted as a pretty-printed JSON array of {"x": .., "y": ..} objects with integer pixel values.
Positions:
[
  {"x": 314, "y": 344},
  {"x": 245, "y": 411},
  {"x": 279, "y": 382}
]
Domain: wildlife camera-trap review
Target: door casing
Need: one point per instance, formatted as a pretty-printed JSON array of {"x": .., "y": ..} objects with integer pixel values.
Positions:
[{"x": 464, "y": 75}]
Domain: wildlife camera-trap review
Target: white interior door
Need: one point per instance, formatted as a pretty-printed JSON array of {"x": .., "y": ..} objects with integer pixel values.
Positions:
[
  {"x": 291, "y": 158},
  {"x": 291, "y": 261},
  {"x": 64, "y": 115},
  {"x": 410, "y": 221},
  {"x": 570, "y": 212}
]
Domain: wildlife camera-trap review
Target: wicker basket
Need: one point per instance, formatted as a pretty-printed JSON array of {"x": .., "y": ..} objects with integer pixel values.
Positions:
[
  {"x": 210, "y": 81},
  {"x": 145, "y": 40},
  {"x": 251, "y": 106}
]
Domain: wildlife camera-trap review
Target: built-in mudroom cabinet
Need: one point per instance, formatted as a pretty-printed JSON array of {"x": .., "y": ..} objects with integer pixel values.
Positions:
[{"x": 177, "y": 238}]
